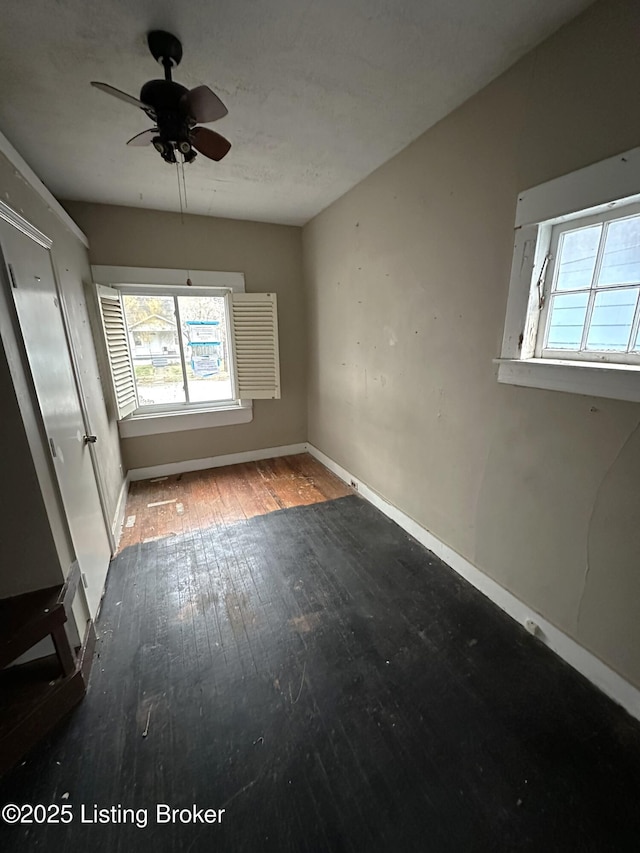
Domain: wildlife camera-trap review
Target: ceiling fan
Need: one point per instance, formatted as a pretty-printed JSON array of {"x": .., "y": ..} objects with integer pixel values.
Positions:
[{"x": 175, "y": 110}]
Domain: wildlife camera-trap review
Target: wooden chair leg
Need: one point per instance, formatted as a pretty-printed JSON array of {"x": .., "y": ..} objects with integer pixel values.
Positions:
[{"x": 64, "y": 651}]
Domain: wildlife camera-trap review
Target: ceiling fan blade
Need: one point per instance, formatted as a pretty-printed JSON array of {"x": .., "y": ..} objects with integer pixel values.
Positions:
[
  {"x": 110, "y": 90},
  {"x": 144, "y": 138},
  {"x": 210, "y": 143},
  {"x": 203, "y": 105}
]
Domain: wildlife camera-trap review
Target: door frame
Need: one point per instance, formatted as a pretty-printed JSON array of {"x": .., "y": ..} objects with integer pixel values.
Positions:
[{"x": 21, "y": 374}]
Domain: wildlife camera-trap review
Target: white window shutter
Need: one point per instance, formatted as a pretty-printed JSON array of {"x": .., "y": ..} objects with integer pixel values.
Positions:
[
  {"x": 117, "y": 343},
  {"x": 254, "y": 325}
]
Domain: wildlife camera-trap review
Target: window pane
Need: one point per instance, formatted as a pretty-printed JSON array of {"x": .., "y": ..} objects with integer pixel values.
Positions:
[
  {"x": 205, "y": 347},
  {"x": 153, "y": 338},
  {"x": 621, "y": 256},
  {"x": 566, "y": 320},
  {"x": 577, "y": 258},
  {"x": 611, "y": 321}
]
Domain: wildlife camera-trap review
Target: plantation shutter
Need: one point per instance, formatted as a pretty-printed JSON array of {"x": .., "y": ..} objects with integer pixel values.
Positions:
[
  {"x": 115, "y": 336},
  {"x": 254, "y": 324}
]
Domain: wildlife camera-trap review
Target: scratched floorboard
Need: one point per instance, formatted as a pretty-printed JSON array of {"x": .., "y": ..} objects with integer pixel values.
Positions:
[
  {"x": 179, "y": 503},
  {"x": 334, "y": 687}
]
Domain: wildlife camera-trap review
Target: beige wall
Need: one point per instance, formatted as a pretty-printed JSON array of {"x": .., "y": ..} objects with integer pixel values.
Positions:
[
  {"x": 35, "y": 549},
  {"x": 407, "y": 279},
  {"x": 270, "y": 256}
]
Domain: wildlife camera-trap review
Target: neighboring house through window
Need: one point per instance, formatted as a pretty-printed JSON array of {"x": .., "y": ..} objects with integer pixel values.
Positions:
[{"x": 152, "y": 335}]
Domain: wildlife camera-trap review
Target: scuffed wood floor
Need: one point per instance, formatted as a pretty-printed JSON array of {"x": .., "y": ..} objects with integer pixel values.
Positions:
[
  {"x": 334, "y": 688},
  {"x": 182, "y": 503}
]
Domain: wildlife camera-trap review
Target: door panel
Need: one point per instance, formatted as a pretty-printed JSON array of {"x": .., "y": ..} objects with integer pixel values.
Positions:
[{"x": 40, "y": 318}]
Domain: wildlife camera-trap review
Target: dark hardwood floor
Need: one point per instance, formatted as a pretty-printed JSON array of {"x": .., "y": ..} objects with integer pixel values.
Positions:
[{"x": 332, "y": 686}]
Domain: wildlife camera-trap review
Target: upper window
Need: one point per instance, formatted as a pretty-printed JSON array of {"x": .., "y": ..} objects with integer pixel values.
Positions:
[
  {"x": 573, "y": 312},
  {"x": 591, "y": 305}
]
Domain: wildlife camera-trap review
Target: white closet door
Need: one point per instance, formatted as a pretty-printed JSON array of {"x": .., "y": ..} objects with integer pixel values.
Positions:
[{"x": 36, "y": 299}]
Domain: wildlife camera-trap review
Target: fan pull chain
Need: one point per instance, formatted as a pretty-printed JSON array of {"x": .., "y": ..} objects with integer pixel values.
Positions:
[
  {"x": 184, "y": 242},
  {"x": 184, "y": 186},
  {"x": 179, "y": 193}
]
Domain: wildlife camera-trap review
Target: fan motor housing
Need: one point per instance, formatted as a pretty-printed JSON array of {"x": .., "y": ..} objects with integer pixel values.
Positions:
[
  {"x": 162, "y": 95},
  {"x": 164, "y": 100}
]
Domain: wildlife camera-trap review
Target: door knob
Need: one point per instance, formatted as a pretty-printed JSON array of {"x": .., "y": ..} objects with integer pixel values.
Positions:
[{"x": 89, "y": 439}]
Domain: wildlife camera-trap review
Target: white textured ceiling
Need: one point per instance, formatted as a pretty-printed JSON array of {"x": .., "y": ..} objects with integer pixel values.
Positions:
[{"x": 320, "y": 92}]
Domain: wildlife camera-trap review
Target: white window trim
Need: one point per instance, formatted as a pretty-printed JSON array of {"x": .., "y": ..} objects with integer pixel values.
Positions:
[
  {"x": 167, "y": 281},
  {"x": 156, "y": 423},
  {"x": 595, "y": 189},
  {"x": 119, "y": 276}
]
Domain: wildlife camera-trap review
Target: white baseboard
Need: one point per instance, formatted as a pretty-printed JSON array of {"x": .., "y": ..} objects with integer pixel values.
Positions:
[
  {"x": 595, "y": 670},
  {"x": 214, "y": 462},
  {"x": 118, "y": 521}
]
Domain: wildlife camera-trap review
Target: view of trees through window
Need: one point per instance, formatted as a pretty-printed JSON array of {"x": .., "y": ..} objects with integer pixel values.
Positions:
[{"x": 154, "y": 338}]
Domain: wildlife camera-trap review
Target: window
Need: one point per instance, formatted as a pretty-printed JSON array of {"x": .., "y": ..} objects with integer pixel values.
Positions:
[
  {"x": 186, "y": 357},
  {"x": 573, "y": 313},
  {"x": 590, "y": 307},
  {"x": 180, "y": 350}
]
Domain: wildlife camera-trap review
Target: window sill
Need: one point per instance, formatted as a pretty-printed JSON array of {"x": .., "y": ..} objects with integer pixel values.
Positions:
[
  {"x": 156, "y": 423},
  {"x": 594, "y": 379}
]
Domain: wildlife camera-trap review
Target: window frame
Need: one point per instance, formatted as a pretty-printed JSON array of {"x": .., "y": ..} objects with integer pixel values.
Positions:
[
  {"x": 144, "y": 421},
  {"x": 176, "y": 291},
  {"x": 616, "y": 214},
  {"x": 607, "y": 186}
]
